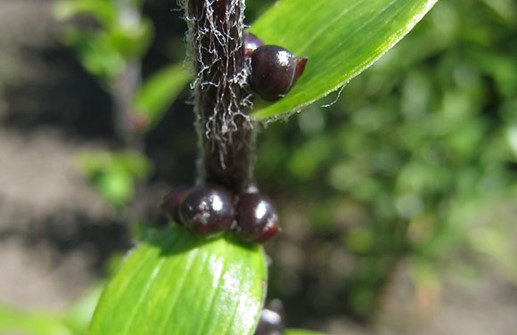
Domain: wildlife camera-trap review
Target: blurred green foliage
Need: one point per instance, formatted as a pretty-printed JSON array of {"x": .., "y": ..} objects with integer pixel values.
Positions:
[
  {"x": 413, "y": 160},
  {"x": 74, "y": 321},
  {"x": 402, "y": 165},
  {"x": 110, "y": 44},
  {"x": 110, "y": 38},
  {"x": 114, "y": 37},
  {"x": 158, "y": 92},
  {"x": 118, "y": 34},
  {"x": 114, "y": 173}
]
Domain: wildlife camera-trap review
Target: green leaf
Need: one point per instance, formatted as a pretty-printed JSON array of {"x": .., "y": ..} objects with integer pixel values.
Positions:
[
  {"x": 104, "y": 11},
  {"x": 177, "y": 284},
  {"x": 96, "y": 51},
  {"x": 114, "y": 174},
  {"x": 301, "y": 332},
  {"x": 116, "y": 186},
  {"x": 131, "y": 41},
  {"x": 159, "y": 91},
  {"x": 14, "y": 321},
  {"x": 341, "y": 38}
]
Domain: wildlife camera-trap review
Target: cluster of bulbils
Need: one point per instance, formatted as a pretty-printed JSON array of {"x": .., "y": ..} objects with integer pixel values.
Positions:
[
  {"x": 274, "y": 70},
  {"x": 211, "y": 210}
]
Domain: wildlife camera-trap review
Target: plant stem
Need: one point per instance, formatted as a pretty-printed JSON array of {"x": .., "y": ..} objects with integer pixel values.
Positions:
[
  {"x": 221, "y": 100},
  {"x": 127, "y": 83},
  {"x": 124, "y": 89}
]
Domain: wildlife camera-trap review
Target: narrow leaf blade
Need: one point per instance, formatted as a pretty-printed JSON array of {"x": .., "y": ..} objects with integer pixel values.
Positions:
[
  {"x": 176, "y": 284},
  {"x": 341, "y": 38},
  {"x": 159, "y": 92}
]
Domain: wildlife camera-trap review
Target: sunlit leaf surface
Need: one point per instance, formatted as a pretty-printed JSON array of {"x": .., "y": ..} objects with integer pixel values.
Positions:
[
  {"x": 341, "y": 38},
  {"x": 176, "y": 284}
]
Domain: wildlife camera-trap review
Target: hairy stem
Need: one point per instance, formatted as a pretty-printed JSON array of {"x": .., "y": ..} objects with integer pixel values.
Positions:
[{"x": 221, "y": 100}]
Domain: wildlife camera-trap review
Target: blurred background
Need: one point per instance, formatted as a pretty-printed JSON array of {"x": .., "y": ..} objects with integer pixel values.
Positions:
[{"x": 396, "y": 198}]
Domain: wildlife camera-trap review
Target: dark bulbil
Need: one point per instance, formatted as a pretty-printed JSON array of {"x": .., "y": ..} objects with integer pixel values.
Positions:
[
  {"x": 251, "y": 43},
  {"x": 257, "y": 220},
  {"x": 207, "y": 210},
  {"x": 270, "y": 323},
  {"x": 274, "y": 71},
  {"x": 271, "y": 320},
  {"x": 210, "y": 210},
  {"x": 171, "y": 202}
]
